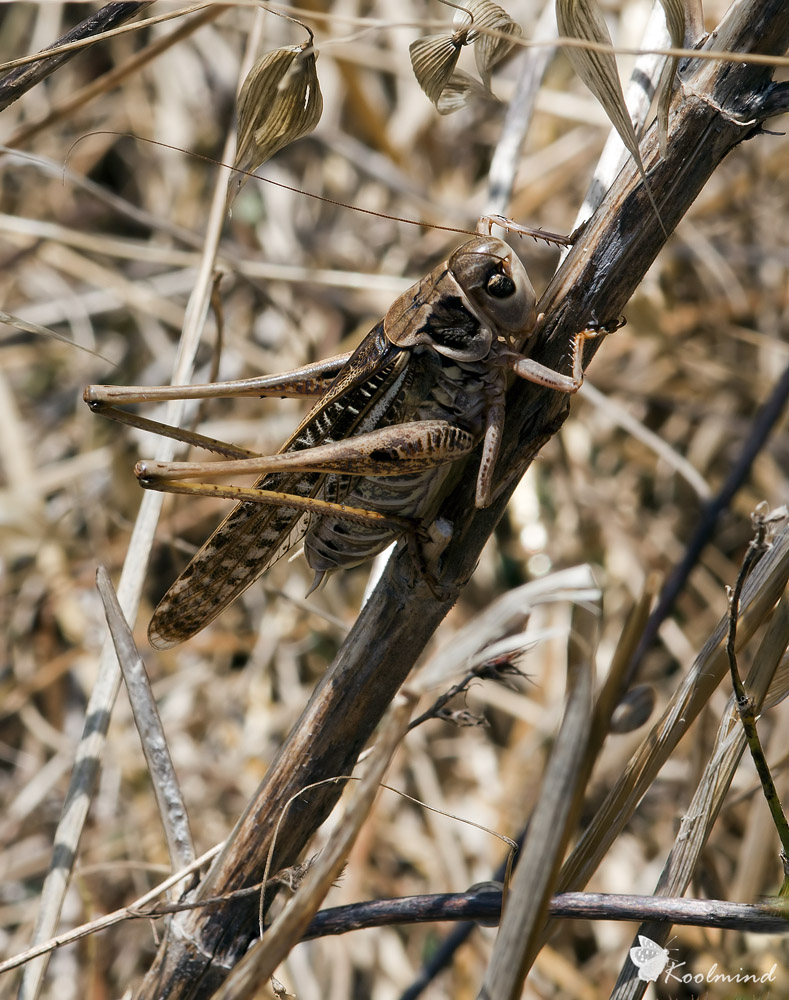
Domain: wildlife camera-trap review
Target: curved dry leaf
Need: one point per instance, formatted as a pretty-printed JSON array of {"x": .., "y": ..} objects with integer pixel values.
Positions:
[
  {"x": 280, "y": 101},
  {"x": 490, "y": 49},
  {"x": 43, "y": 331},
  {"x": 433, "y": 59},
  {"x": 583, "y": 19},
  {"x": 459, "y": 90}
]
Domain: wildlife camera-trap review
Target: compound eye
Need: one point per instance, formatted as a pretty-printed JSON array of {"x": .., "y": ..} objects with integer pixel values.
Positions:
[{"x": 500, "y": 286}]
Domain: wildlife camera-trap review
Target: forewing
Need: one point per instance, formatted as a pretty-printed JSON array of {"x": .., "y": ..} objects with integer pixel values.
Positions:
[
  {"x": 255, "y": 535},
  {"x": 249, "y": 540}
]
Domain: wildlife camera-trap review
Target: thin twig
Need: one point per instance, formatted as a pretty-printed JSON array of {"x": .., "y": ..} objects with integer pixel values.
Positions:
[
  {"x": 483, "y": 905},
  {"x": 756, "y": 549},
  {"x": 23, "y": 78},
  {"x": 762, "y": 426}
]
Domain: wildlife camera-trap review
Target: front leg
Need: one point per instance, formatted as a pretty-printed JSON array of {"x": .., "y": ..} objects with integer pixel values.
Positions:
[{"x": 533, "y": 371}]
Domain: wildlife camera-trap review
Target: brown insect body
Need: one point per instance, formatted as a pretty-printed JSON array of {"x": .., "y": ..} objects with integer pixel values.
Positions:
[
  {"x": 447, "y": 325},
  {"x": 375, "y": 456},
  {"x": 436, "y": 356}
]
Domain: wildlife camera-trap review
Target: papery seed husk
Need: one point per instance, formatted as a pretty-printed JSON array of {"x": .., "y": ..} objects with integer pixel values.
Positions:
[
  {"x": 433, "y": 59},
  {"x": 280, "y": 101},
  {"x": 489, "y": 49},
  {"x": 459, "y": 90},
  {"x": 634, "y": 709}
]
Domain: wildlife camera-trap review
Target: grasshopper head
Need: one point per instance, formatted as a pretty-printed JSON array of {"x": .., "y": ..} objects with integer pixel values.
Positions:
[
  {"x": 481, "y": 293},
  {"x": 495, "y": 284}
]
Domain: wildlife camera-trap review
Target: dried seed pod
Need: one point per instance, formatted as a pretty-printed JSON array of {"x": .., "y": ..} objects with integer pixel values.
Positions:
[
  {"x": 459, "y": 89},
  {"x": 433, "y": 59},
  {"x": 490, "y": 49},
  {"x": 280, "y": 101},
  {"x": 634, "y": 709}
]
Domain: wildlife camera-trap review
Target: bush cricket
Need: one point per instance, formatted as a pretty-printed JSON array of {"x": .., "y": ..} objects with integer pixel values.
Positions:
[{"x": 374, "y": 457}]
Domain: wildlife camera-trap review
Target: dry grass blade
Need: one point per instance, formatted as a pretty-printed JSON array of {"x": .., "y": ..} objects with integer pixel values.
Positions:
[
  {"x": 144, "y": 907},
  {"x": 730, "y": 744},
  {"x": 113, "y": 78},
  {"x": 106, "y": 688},
  {"x": 534, "y": 63},
  {"x": 675, "y": 21},
  {"x": 607, "y": 714},
  {"x": 42, "y": 331},
  {"x": 172, "y": 808},
  {"x": 550, "y": 824},
  {"x": 261, "y": 961},
  {"x": 762, "y": 591},
  {"x": 508, "y": 615},
  {"x": 22, "y": 79},
  {"x": 620, "y": 415}
]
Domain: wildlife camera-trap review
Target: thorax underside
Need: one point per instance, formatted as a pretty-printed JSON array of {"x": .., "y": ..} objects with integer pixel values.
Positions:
[{"x": 431, "y": 387}]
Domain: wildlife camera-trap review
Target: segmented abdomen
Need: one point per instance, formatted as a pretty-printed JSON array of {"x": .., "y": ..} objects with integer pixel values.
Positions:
[{"x": 441, "y": 389}]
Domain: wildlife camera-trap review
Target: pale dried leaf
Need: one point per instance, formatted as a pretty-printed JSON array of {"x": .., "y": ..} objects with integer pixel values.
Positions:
[
  {"x": 280, "y": 101},
  {"x": 433, "y": 59},
  {"x": 583, "y": 19},
  {"x": 675, "y": 20}
]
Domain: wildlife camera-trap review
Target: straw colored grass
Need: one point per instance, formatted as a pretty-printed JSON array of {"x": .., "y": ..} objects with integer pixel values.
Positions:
[{"x": 113, "y": 243}]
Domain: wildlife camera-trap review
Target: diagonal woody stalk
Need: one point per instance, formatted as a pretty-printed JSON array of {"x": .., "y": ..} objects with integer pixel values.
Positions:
[{"x": 721, "y": 104}]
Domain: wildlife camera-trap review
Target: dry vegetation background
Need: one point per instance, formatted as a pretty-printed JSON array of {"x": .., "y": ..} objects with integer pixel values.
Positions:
[{"x": 100, "y": 241}]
